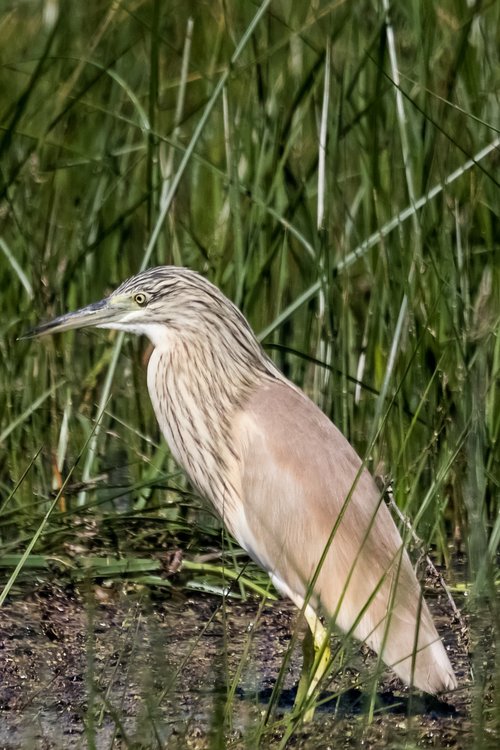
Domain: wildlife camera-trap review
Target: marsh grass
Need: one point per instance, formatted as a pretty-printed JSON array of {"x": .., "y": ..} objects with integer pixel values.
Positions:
[{"x": 333, "y": 167}]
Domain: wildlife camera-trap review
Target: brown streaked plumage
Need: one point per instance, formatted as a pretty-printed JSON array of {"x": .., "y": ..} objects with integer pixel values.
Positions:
[{"x": 285, "y": 481}]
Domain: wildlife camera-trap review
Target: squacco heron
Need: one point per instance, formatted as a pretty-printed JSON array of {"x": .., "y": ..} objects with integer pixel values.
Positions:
[{"x": 284, "y": 480}]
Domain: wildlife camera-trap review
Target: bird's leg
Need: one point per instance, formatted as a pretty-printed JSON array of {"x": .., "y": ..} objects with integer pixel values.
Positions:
[{"x": 316, "y": 653}]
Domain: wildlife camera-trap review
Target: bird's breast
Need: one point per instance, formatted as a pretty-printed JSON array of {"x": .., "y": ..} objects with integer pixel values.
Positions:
[{"x": 195, "y": 422}]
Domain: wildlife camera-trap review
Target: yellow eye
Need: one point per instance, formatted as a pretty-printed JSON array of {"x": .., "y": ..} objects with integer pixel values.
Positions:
[{"x": 140, "y": 299}]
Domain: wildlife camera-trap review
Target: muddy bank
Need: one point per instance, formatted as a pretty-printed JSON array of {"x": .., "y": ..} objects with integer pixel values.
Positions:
[{"x": 122, "y": 668}]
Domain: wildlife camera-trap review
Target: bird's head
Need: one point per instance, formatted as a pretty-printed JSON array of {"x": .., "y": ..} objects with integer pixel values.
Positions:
[{"x": 160, "y": 303}]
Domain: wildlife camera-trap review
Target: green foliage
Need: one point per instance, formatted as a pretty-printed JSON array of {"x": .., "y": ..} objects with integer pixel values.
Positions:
[{"x": 343, "y": 190}]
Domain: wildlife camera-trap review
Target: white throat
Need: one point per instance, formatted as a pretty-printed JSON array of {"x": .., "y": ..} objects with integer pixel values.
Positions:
[{"x": 157, "y": 333}]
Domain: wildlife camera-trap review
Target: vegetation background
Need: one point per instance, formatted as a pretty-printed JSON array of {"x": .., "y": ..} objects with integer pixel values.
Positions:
[{"x": 333, "y": 167}]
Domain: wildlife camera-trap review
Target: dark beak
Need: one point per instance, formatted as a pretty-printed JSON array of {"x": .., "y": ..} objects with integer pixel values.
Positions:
[{"x": 92, "y": 315}]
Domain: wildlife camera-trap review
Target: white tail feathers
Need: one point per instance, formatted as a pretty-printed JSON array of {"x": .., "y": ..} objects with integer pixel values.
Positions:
[
  {"x": 427, "y": 667},
  {"x": 424, "y": 664}
]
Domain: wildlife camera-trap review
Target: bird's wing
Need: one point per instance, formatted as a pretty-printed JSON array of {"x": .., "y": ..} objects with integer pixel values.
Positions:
[{"x": 311, "y": 511}]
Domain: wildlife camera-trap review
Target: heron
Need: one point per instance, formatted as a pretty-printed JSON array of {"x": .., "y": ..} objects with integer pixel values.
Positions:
[{"x": 284, "y": 480}]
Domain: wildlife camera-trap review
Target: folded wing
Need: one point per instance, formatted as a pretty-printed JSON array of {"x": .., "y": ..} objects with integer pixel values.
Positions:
[{"x": 310, "y": 511}]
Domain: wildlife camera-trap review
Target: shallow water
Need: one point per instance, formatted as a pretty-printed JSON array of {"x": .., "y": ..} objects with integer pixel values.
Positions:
[{"x": 117, "y": 668}]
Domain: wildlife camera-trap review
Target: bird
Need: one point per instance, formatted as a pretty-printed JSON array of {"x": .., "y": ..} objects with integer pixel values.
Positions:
[{"x": 282, "y": 477}]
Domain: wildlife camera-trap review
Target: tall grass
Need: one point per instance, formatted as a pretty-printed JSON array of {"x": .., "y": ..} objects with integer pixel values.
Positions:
[{"x": 333, "y": 167}]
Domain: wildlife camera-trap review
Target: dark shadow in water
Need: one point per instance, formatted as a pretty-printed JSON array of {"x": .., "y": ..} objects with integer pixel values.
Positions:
[{"x": 354, "y": 701}]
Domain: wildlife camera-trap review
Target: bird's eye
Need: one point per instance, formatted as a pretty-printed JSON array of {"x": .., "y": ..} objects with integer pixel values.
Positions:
[{"x": 140, "y": 299}]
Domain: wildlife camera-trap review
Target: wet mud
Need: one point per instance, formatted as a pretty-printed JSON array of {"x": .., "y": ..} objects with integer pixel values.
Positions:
[{"x": 124, "y": 667}]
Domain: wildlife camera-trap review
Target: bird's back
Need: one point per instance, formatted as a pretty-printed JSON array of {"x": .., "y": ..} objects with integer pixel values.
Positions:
[{"x": 303, "y": 490}]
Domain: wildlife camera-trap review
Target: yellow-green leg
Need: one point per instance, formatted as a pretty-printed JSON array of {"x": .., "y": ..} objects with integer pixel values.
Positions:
[{"x": 316, "y": 659}]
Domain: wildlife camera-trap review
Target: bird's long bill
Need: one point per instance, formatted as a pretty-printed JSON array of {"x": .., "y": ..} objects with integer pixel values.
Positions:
[{"x": 92, "y": 315}]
